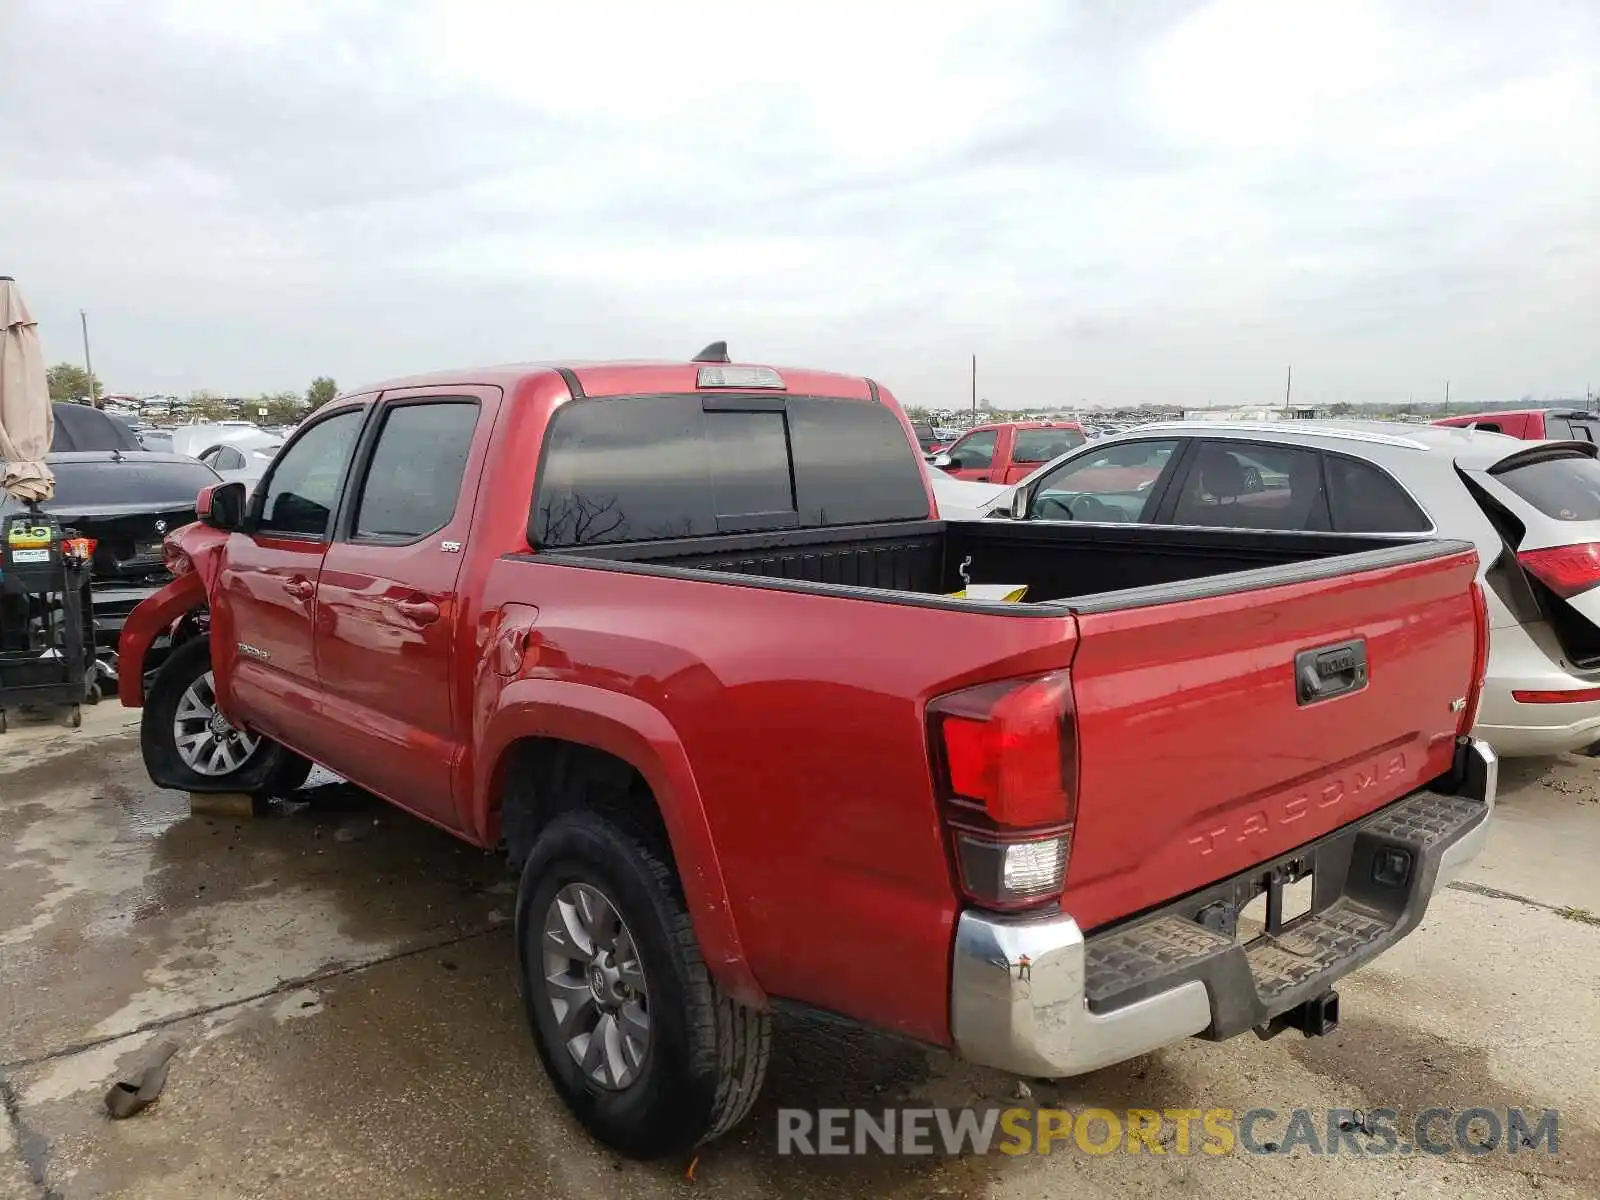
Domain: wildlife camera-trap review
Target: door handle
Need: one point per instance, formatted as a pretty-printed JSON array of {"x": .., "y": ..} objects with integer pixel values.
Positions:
[
  {"x": 423, "y": 612},
  {"x": 1330, "y": 671},
  {"x": 300, "y": 588}
]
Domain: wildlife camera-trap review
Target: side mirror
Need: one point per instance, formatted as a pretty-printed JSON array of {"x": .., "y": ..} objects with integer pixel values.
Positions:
[
  {"x": 222, "y": 506},
  {"x": 1019, "y": 504},
  {"x": 943, "y": 461}
]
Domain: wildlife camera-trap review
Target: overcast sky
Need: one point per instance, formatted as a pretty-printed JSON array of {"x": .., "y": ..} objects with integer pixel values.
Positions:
[{"x": 1118, "y": 201}]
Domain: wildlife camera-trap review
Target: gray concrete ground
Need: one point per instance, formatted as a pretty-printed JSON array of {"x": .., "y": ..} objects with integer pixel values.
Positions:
[{"x": 339, "y": 982}]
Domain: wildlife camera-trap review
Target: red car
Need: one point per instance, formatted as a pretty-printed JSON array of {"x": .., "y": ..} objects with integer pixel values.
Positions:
[
  {"x": 1008, "y": 451},
  {"x": 659, "y": 631},
  {"x": 1535, "y": 424}
]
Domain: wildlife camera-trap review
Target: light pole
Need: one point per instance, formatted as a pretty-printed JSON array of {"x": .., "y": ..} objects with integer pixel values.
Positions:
[{"x": 88, "y": 364}]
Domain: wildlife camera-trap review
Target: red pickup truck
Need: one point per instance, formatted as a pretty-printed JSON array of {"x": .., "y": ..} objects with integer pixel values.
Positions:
[
  {"x": 657, "y": 630},
  {"x": 1535, "y": 424},
  {"x": 1008, "y": 451}
]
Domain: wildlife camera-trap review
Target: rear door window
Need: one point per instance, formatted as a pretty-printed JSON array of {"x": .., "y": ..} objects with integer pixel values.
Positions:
[
  {"x": 1565, "y": 487},
  {"x": 1253, "y": 485},
  {"x": 1044, "y": 445},
  {"x": 414, "y": 479},
  {"x": 650, "y": 468}
]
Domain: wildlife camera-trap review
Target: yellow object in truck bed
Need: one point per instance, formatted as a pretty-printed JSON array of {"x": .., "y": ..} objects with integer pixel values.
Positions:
[{"x": 1010, "y": 593}]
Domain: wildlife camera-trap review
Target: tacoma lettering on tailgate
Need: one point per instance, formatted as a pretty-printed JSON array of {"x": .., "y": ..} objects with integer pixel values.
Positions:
[{"x": 1276, "y": 814}]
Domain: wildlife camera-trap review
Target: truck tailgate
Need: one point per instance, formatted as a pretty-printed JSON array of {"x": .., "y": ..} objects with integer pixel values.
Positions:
[{"x": 1206, "y": 747}]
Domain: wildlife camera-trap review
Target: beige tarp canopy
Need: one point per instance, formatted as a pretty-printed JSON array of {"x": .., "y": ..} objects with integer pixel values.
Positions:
[{"x": 27, "y": 422}]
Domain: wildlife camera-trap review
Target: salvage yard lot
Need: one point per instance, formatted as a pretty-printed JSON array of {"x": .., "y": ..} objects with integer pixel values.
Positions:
[{"x": 339, "y": 980}]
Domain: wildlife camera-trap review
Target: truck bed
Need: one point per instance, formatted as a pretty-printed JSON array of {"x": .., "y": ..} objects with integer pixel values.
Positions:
[
  {"x": 796, "y": 669},
  {"x": 1091, "y": 566}
]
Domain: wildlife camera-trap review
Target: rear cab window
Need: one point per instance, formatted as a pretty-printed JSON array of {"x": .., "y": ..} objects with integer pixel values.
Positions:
[
  {"x": 1044, "y": 445},
  {"x": 660, "y": 467}
]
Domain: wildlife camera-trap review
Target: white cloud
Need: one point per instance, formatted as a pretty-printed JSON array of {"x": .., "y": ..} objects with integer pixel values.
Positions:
[{"x": 1165, "y": 200}]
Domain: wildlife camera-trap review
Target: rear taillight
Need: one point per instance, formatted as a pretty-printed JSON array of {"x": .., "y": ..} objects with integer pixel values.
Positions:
[
  {"x": 1575, "y": 696},
  {"x": 1006, "y": 765},
  {"x": 79, "y": 548},
  {"x": 1480, "y": 657},
  {"x": 1565, "y": 570}
]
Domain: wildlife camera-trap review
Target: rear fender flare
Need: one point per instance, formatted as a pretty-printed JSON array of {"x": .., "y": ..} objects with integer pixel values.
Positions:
[
  {"x": 641, "y": 736},
  {"x": 154, "y": 616}
]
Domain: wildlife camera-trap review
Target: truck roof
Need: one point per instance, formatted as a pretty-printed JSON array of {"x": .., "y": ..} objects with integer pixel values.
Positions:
[
  {"x": 1039, "y": 424},
  {"x": 629, "y": 378},
  {"x": 1555, "y": 410}
]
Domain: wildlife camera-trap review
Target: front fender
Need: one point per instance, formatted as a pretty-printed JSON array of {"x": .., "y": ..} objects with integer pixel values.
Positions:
[
  {"x": 154, "y": 617},
  {"x": 631, "y": 730}
]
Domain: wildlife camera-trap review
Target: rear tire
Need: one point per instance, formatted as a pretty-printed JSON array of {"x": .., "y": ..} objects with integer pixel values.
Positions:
[
  {"x": 224, "y": 759},
  {"x": 686, "y": 1062}
]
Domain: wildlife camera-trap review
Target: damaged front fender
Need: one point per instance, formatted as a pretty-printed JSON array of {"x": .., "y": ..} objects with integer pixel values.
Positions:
[
  {"x": 154, "y": 618},
  {"x": 194, "y": 556}
]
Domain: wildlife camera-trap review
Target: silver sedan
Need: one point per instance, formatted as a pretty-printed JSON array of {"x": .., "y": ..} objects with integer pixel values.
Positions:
[
  {"x": 243, "y": 459},
  {"x": 1531, "y": 508}
]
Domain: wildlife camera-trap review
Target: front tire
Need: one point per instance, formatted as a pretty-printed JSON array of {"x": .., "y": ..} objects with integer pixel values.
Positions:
[
  {"x": 189, "y": 746},
  {"x": 641, "y": 1044}
]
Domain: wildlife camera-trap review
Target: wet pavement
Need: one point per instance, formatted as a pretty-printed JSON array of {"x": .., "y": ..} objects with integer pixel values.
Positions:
[{"x": 338, "y": 977}]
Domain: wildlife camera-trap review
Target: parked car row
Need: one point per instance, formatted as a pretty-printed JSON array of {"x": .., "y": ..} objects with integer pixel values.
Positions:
[
  {"x": 125, "y": 499},
  {"x": 1008, "y": 451},
  {"x": 661, "y": 630}
]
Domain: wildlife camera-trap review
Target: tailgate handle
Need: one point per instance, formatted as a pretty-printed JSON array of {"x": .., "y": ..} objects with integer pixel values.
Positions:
[{"x": 1330, "y": 671}]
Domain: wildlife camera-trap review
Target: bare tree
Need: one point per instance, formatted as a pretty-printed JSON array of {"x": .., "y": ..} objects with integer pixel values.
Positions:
[{"x": 578, "y": 520}]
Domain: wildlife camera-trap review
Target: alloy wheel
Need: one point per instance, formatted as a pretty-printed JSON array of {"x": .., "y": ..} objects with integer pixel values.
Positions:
[
  {"x": 595, "y": 986},
  {"x": 206, "y": 741}
]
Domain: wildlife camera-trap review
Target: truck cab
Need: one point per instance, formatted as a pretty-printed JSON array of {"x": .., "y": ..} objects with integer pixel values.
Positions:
[{"x": 1008, "y": 451}]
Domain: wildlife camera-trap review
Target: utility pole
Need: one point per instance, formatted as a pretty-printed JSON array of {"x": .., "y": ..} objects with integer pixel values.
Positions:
[
  {"x": 974, "y": 389},
  {"x": 94, "y": 400},
  {"x": 1287, "y": 384},
  {"x": 1447, "y": 397}
]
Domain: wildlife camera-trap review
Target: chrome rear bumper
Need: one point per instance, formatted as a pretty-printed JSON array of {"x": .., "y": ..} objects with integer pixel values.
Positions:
[{"x": 1032, "y": 996}]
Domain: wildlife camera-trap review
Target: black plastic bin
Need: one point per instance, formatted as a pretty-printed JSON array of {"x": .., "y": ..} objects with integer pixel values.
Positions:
[{"x": 46, "y": 617}]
